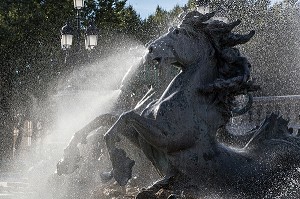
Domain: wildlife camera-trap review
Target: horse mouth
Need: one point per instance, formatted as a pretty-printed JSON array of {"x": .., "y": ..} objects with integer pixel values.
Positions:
[{"x": 157, "y": 61}]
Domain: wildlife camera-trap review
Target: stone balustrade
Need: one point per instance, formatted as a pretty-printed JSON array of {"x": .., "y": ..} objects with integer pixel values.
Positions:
[{"x": 286, "y": 106}]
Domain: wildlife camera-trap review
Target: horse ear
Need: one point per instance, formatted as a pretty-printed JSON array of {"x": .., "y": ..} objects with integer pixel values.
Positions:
[
  {"x": 221, "y": 27},
  {"x": 196, "y": 17},
  {"x": 208, "y": 16}
]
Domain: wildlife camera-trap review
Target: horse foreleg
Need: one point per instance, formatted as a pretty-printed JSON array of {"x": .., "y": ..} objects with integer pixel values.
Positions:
[
  {"x": 157, "y": 133},
  {"x": 153, "y": 132},
  {"x": 71, "y": 157},
  {"x": 134, "y": 127},
  {"x": 122, "y": 165},
  {"x": 102, "y": 120}
]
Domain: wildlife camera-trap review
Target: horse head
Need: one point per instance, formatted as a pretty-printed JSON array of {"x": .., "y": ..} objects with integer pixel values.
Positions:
[
  {"x": 181, "y": 46},
  {"x": 210, "y": 45}
]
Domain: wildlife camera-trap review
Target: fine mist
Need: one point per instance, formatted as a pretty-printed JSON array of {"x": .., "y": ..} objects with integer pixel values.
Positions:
[{"x": 89, "y": 91}]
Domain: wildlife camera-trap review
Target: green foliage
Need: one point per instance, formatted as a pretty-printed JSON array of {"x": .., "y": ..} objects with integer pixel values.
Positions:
[
  {"x": 31, "y": 59},
  {"x": 158, "y": 23},
  {"x": 30, "y": 38}
]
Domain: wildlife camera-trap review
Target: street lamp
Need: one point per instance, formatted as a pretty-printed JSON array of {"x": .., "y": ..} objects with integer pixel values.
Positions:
[
  {"x": 91, "y": 36},
  {"x": 67, "y": 32},
  {"x": 66, "y": 36},
  {"x": 78, "y": 4}
]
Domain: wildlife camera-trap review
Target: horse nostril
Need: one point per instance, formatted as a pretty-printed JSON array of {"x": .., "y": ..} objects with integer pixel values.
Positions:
[{"x": 150, "y": 49}]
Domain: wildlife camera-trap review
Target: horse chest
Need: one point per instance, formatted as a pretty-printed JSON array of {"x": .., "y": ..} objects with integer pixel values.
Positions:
[{"x": 172, "y": 107}]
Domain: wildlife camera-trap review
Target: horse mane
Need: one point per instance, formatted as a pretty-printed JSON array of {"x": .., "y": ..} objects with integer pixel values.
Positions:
[{"x": 233, "y": 68}]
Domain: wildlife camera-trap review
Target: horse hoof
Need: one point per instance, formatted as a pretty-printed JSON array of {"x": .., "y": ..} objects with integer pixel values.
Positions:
[{"x": 122, "y": 166}]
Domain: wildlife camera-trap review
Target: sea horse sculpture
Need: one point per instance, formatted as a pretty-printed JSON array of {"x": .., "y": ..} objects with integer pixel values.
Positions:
[
  {"x": 178, "y": 132},
  {"x": 137, "y": 90}
]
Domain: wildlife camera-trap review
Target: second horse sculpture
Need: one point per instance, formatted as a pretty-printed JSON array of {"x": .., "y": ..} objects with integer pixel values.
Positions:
[{"x": 178, "y": 132}]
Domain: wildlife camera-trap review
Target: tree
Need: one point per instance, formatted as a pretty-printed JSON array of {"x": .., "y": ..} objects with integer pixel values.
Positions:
[
  {"x": 27, "y": 51},
  {"x": 32, "y": 61}
]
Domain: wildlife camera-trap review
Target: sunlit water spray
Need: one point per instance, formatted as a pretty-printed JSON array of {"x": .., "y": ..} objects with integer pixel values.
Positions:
[{"x": 85, "y": 94}]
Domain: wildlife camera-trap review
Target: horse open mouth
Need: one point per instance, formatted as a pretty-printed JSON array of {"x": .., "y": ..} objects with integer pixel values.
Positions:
[{"x": 157, "y": 61}]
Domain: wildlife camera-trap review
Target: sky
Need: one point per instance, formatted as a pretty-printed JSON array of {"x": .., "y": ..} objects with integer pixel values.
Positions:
[{"x": 147, "y": 7}]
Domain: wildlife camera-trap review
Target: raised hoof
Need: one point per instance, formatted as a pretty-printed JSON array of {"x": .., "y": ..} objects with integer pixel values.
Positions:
[{"x": 122, "y": 166}]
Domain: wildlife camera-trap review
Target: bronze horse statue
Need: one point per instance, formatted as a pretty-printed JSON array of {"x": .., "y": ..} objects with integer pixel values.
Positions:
[
  {"x": 179, "y": 131},
  {"x": 142, "y": 84}
]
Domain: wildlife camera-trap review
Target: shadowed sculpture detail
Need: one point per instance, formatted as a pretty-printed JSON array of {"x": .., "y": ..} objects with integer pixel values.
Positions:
[{"x": 178, "y": 132}]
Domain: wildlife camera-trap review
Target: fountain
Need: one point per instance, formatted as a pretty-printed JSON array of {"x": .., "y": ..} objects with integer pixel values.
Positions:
[{"x": 181, "y": 131}]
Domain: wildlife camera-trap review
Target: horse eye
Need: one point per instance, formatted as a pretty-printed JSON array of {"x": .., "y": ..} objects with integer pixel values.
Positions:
[{"x": 176, "y": 31}]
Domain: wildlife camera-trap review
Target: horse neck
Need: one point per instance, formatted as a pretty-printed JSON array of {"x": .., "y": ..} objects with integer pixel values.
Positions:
[
  {"x": 194, "y": 76},
  {"x": 202, "y": 73},
  {"x": 198, "y": 76}
]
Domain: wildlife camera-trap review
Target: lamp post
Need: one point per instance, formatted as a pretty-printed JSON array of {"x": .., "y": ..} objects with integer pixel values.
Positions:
[
  {"x": 68, "y": 33},
  {"x": 66, "y": 36},
  {"x": 91, "y": 36}
]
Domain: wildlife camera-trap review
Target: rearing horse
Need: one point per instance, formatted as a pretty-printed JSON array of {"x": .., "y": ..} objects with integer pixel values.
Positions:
[{"x": 178, "y": 132}]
